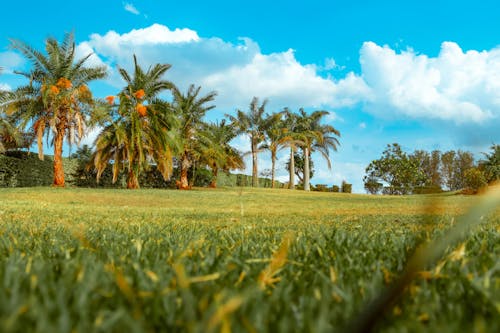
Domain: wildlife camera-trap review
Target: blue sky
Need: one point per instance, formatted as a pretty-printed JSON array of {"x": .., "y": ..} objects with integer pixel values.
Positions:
[{"x": 425, "y": 74}]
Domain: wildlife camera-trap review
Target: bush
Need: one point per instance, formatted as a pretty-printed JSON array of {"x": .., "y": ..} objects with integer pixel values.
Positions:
[
  {"x": 346, "y": 188},
  {"x": 321, "y": 188},
  {"x": 474, "y": 180},
  {"x": 24, "y": 169},
  {"x": 335, "y": 188}
]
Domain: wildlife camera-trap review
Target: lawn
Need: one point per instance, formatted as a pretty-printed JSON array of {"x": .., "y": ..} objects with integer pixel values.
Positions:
[{"x": 241, "y": 260}]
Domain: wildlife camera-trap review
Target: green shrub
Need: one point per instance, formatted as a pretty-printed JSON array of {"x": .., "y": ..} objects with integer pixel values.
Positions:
[
  {"x": 25, "y": 169},
  {"x": 346, "y": 187},
  {"x": 474, "y": 180}
]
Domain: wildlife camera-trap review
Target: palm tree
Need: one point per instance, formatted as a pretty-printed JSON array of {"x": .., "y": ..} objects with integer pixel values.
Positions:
[
  {"x": 314, "y": 136},
  {"x": 9, "y": 136},
  {"x": 137, "y": 132},
  {"x": 56, "y": 102},
  {"x": 290, "y": 123},
  {"x": 277, "y": 137},
  {"x": 189, "y": 109},
  {"x": 253, "y": 124},
  {"x": 216, "y": 151}
]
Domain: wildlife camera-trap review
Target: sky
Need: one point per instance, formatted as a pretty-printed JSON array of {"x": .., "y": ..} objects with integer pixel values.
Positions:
[{"x": 425, "y": 74}]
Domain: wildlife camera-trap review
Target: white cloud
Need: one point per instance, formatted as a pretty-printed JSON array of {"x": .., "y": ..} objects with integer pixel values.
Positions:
[
  {"x": 458, "y": 86},
  {"x": 236, "y": 71},
  {"x": 156, "y": 34},
  {"x": 131, "y": 8},
  {"x": 331, "y": 64},
  {"x": 83, "y": 50}
]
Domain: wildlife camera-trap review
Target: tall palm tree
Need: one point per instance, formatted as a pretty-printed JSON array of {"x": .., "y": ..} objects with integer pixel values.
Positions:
[
  {"x": 138, "y": 131},
  {"x": 189, "y": 109},
  {"x": 56, "y": 102},
  {"x": 253, "y": 124},
  {"x": 216, "y": 152},
  {"x": 290, "y": 122},
  {"x": 314, "y": 136},
  {"x": 277, "y": 137}
]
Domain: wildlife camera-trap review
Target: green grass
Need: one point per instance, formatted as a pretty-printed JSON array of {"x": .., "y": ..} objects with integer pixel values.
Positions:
[{"x": 246, "y": 260}]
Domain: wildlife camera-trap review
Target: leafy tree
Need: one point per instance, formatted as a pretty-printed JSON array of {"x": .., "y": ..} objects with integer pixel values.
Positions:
[
  {"x": 216, "y": 151},
  {"x": 396, "y": 169},
  {"x": 448, "y": 169},
  {"x": 453, "y": 168},
  {"x": 252, "y": 123},
  {"x": 464, "y": 161},
  {"x": 138, "y": 130},
  {"x": 189, "y": 110},
  {"x": 314, "y": 136},
  {"x": 57, "y": 101},
  {"x": 491, "y": 164},
  {"x": 372, "y": 185},
  {"x": 428, "y": 164}
]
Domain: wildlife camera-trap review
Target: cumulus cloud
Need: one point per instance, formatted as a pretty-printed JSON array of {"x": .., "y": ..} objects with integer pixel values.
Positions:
[
  {"x": 130, "y": 8},
  {"x": 455, "y": 86},
  {"x": 237, "y": 71}
]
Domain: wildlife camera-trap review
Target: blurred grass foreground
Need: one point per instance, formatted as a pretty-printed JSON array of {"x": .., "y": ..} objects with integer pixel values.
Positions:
[{"x": 247, "y": 260}]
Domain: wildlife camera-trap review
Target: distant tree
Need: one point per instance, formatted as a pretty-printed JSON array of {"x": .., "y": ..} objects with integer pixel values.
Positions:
[
  {"x": 491, "y": 164},
  {"x": 298, "y": 167},
  {"x": 464, "y": 161},
  {"x": 277, "y": 137},
  {"x": 84, "y": 175},
  {"x": 252, "y": 123},
  {"x": 428, "y": 164},
  {"x": 448, "y": 169},
  {"x": 189, "y": 109},
  {"x": 290, "y": 123},
  {"x": 56, "y": 101},
  {"x": 215, "y": 150},
  {"x": 314, "y": 136},
  {"x": 372, "y": 185},
  {"x": 397, "y": 170}
]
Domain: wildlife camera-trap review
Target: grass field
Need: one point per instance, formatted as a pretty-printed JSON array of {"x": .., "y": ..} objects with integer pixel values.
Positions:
[{"x": 241, "y": 260}]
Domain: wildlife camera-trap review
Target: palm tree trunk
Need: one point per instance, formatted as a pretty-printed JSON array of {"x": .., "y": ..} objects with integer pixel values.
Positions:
[
  {"x": 273, "y": 166},
  {"x": 185, "y": 164},
  {"x": 213, "y": 183},
  {"x": 306, "y": 169},
  {"x": 132, "y": 181},
  {"x": 291, "y": 182},
  {"x": 255, "y": 179},
  {"x": 58, "y": 150}
]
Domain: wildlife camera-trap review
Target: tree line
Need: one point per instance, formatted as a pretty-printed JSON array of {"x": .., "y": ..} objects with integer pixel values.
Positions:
[
  {"x": 397, "y": 172},
  {"x": 140, "y": 129}
]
